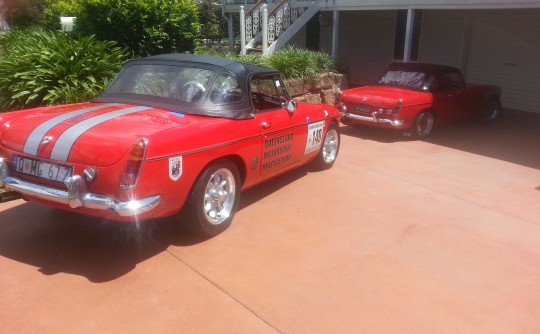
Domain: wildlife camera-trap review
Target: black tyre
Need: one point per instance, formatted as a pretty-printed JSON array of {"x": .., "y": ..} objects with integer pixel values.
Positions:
[
  {"x": 423, "y": 125},
  {"x": 329, "y": 148},
  {"x": 492, "y": 111},
  {"x": 214, "y": 199}
]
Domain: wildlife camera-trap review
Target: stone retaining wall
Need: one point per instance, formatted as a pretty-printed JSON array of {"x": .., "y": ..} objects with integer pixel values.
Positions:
[{"x": 323, "y": 90}]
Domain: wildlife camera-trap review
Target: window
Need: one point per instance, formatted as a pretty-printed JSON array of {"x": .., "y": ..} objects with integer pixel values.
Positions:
[
  {"x": 226, "y": 89},
  {"x": 182, "y": 83},
  {"x": 401, "y": 29},
  {"x": 452, "y": 80},
  {"x": 268, "y": 93}
]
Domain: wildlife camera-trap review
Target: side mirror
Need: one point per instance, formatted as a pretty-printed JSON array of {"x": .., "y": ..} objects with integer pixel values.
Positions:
[{"x": 290, "y": 105}]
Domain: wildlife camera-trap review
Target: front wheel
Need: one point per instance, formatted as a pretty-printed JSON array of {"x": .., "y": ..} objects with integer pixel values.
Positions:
[
  {"x": 214, "y": 199},
  {"x": 423, "y": 124},
  {"x": 330, "y": 148}
]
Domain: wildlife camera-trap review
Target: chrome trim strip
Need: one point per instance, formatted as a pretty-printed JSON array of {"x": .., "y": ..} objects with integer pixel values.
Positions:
[
  {"x": 64, "y": 143},
  {"x": 374, "y": 119},
  {"x": 76, "y": 196},
  {"x": 33, "y": 141}
]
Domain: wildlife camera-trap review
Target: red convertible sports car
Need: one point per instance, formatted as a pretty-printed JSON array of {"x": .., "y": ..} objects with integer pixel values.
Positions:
[
  {"x": 413, "y": 97},
  {"x": 171, "y": 132}
]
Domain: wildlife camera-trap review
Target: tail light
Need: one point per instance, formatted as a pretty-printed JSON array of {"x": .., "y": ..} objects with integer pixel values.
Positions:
[
  {"x": 397, "y": 107},
  {"x": 134, "y": 163}
]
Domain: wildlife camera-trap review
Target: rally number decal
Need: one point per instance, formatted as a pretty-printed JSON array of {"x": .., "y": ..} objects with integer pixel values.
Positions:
[{"x": 314, "y": 137}]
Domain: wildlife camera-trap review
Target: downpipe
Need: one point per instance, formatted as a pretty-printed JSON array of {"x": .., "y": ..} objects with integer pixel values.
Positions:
[{"x": 9, "y": 196}]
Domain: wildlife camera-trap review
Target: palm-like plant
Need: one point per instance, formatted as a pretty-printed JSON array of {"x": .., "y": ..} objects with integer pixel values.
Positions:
[{"x": 45, "y": 68}]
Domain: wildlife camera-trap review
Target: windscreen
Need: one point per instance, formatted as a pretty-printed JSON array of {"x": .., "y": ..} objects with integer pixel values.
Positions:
[{"x": 407, "y": 79}]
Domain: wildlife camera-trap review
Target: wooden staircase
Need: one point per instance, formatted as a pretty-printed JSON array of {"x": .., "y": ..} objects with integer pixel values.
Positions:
[{"x": 267, "y": 27}]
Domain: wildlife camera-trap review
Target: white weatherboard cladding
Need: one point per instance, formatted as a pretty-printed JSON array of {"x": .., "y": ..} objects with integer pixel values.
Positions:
[{"x": 504, "y": 49}]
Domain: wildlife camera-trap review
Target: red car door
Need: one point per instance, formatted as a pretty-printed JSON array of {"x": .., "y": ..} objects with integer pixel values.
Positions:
[
  {"x": 451, "y": 98},
  {"x": 283, "y": 131}
]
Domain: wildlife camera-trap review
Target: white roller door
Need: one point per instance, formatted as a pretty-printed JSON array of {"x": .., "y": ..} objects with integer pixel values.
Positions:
[{"x": 504, "y": 49}]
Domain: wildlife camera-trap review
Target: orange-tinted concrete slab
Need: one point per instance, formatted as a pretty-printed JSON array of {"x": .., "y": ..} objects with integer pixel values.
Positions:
[{"x": 436, "y": 236}]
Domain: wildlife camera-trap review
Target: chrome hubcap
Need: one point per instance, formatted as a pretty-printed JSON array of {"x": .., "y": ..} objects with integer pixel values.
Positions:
[
  {"x": 219, "y": 196},
  {"x": 330, "y": 146}
]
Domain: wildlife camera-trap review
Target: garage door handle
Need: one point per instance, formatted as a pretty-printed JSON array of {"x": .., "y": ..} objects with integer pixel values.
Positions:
[{"x": 266, "y": 125}]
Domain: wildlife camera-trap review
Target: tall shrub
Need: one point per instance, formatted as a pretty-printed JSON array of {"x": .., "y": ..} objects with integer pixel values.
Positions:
[
  {"x": 145, "y": 27},
  {"x": 48, "y": 67}
]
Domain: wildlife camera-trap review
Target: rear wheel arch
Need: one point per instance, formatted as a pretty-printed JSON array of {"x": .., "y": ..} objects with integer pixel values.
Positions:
[
  {"x": 211, "y": 205},
  {"x": 423, "y": 123}
]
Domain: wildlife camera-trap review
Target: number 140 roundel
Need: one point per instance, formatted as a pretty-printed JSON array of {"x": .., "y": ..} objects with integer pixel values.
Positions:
[{"x": 172, "y": 135}]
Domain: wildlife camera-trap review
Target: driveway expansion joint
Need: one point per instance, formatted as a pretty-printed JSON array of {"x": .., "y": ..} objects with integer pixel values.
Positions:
[{"x": 245, "y": 306}]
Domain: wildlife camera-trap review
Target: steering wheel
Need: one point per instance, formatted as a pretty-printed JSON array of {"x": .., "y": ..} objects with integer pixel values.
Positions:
[{"x": 192, "y": 91}]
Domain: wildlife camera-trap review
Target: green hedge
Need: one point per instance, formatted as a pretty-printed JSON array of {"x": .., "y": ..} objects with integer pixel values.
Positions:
[{"x": 291, "y": 62}]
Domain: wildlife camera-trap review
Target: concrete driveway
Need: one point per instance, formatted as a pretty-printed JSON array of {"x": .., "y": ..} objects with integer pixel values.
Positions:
[{"x": 436, "y": 236}]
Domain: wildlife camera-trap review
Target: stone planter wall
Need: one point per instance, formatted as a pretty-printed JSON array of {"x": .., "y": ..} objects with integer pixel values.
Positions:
[{"x": 323, "y": 90}]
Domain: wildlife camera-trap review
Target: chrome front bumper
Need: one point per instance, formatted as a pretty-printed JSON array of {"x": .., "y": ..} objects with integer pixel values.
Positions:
[
  {"x": 374, "y": 119},
  {"x": 76, "y": 195}
]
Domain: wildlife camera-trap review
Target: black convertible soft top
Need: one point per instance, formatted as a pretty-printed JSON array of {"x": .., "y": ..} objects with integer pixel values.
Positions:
[{"x": 237, "y": 110}]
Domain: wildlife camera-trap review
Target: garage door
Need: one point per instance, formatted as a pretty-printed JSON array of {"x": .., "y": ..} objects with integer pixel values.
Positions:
[{"x": 505, "y": 50}]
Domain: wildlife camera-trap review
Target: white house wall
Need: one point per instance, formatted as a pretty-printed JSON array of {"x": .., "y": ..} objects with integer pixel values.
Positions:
[{"x": 504, "y": 49}]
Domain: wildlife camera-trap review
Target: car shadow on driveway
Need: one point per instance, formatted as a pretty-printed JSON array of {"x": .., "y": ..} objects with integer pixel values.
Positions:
[
  {"x": 372, "y": 133},
  {"x": 57, "y": 241},
  {"x": 514, "y": 137}
]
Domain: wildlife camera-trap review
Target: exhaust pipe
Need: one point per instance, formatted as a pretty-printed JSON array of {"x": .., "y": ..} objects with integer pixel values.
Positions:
[{"x": 9, "y": 196}]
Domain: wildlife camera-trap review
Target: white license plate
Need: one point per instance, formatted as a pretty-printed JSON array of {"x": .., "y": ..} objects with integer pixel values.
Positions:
[
  {"x": 361, "y": 109},
  {"x": 38, "y": 168}
]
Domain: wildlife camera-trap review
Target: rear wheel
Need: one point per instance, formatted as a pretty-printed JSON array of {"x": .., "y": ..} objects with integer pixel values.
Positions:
[
  {"x": 214, "y": 199},
  {"x": 423, "y": 124},
  {"x": 330, "y": 148}
]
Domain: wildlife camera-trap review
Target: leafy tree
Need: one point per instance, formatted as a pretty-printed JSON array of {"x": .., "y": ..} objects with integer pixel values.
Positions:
[
  {"x": 41, "y": 67},
  {"x": 145, "y": 27},
  {"x": 210, "y": 19}
]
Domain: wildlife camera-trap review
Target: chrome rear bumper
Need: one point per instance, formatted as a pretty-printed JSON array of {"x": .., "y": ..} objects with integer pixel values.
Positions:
[
  {"x": 374, "y": 119},
  {"x": 76, "y": 195}
]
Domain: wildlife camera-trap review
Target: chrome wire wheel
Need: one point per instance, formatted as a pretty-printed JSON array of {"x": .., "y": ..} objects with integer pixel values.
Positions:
[
  {"x": 330, "y": 145},
  {"x": 423, "y": 124},
  {"x": 219, "y": 196}
]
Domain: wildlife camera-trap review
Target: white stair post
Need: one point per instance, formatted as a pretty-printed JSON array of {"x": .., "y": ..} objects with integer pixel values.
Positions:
[
  {"x": 242, "y": 31},
  {"x": 264, "y": 30}
]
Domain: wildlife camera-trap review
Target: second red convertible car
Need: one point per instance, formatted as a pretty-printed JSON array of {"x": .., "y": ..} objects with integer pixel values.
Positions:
[
  {"x": 413, "y": 97},
  {"x": 172, "y": 132}
]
